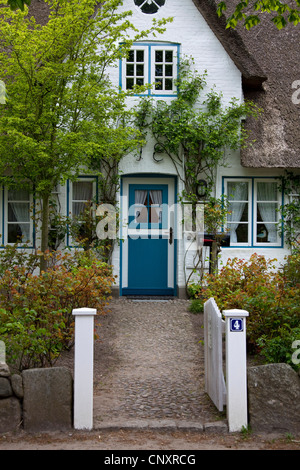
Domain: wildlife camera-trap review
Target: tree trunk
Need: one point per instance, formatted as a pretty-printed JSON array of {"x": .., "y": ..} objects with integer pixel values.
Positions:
[
  {"x": 44, "y": 231},
  {"x": 214, "y": 257}
]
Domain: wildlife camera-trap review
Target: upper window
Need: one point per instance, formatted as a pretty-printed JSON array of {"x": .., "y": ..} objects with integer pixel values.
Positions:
[
  {"x": 149, "y": 6},
  {"x": 153, "y": 64},
  {"x": 254, "y": 211}
]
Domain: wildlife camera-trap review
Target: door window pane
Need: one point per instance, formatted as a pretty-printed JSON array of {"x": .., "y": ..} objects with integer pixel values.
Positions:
[{"x": 148, "y": 207}]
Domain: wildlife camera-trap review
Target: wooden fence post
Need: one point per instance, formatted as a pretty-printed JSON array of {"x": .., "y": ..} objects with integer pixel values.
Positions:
[
  {"x": 236, "y": 369},
  {"x": 84, "y": 367}
]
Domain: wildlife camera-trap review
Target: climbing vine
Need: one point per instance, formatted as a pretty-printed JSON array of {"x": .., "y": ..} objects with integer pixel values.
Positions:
[{"x": 195, "y": 131}]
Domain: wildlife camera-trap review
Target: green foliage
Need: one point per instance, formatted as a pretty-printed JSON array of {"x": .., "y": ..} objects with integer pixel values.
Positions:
[
  {"x": 63, "y": 114},
  {"x": 194, "y": 130},
  {"x": 196, "y": 306},
  {"x": 15, "y": 4},
  {"x": 248, "y": 13},
  {"x": 36, "y": 321},
  {"x": 279, "y": 348},
  {"x": 272, "y": 298},
  {"x": 291, "y": 210}
]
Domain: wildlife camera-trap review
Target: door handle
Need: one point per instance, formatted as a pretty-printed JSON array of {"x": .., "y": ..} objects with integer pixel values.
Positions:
[{"x": 171, "y": 236}]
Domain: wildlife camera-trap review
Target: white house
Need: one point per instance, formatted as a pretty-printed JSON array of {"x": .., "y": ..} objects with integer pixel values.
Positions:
[{"x": 156, "y": 254}]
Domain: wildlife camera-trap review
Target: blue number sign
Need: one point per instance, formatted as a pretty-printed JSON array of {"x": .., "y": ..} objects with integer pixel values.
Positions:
[{"x": 236, "y": 324}]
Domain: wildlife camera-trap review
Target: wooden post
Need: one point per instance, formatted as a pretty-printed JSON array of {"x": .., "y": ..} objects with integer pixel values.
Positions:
[
  {"x": 236, "y": 369},
  {"x": 84, "y": 367}
]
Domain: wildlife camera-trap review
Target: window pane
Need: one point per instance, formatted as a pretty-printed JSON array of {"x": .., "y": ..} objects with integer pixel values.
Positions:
[
  {"x": 79, "y": 207},
  {"x": 158, "y": 70},
  {"x": 140, "y": 56},
  {"x": 18, "y": 212},
  {"x": 238, "y": 233},
  {"x": 266, "y": 233},
  {"x": 129, "y": 83},
  {"x": 237, "y": 191},
  {"x": 140, "y": 81},
  {"x": 169, "y": 70},
  {"x": 141, "y": 215},
  {"x": 238, "y": 212},
  {"x": 18, "y": 233},
  {"x": 130, "y": 70},
  {"x": 155, "y": 215},
  {"x": 158, "y": 84},
  {"x": 130, "y": 56},
  {"x": 158, "y": 56},
  {"x": 141, "y": 197},
  {"x": 267, "y": 191},
  {"x": 169, "y": 56},
  {"x": 168, "y": 84},
  {"x": 18, "y": 195},
  {"x": 267, "y": 212},
  {"x": 82, "y": 191},
  {"x": 140, "y": 70}
]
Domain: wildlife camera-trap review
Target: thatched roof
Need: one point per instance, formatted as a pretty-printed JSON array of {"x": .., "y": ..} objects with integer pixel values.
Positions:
[{"x": 265, "y": 52}]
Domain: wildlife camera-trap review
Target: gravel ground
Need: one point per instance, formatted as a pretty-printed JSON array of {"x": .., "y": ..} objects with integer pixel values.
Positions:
[{"x": 149, "y": 388}]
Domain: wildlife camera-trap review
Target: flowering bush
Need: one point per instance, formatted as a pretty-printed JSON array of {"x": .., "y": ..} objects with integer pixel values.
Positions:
[
  {"x": 272, "y": 298},
  {"x": 36, "y": 321}
]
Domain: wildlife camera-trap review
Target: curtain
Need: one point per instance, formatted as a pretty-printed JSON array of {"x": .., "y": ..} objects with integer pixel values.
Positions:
[
  {"x": 19, "y": 211},
  {"x": 156, "y": 196},
  {"x": 82, "y": 194},
  {"x": 268, "y": 210},
  {"x": 240, "y": 195},
  {"x": 140, "y": 198}
]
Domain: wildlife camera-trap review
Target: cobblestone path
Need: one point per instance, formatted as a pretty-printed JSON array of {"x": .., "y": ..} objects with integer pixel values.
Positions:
[{"x": 149, "y": 365}]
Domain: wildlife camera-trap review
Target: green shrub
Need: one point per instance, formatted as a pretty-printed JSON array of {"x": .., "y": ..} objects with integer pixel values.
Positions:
[
  {"x": 196, "y": 306},
  {"x": 272, "y": 298},
  {"x": 36, "y": 321},
  {"x": 279, "y": 348}
]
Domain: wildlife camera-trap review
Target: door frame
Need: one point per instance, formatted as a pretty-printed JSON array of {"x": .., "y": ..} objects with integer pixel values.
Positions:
[{"x": 144, "y": 178}]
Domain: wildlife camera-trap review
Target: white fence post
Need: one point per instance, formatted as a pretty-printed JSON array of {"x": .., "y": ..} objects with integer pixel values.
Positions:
[
  {"x": 84, "y": 367},
  {"x": 236, "y": 369}
]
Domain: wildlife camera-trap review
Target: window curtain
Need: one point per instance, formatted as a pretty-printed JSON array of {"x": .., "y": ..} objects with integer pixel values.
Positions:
[
  {"x": 268, "y": 192},
  {"x": 140, "y": 198},
  {"x": 19, "y": 212},
  {"x": 240, "y": 193},
  {"x": 156, "y": 196},
  {"x": 82, "y": 193}
]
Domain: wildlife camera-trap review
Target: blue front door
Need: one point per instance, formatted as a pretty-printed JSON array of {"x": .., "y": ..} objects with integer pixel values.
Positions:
[{"x": 148, "y": 242}]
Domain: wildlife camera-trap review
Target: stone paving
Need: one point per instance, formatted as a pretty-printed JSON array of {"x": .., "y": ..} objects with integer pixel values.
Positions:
[{"x": 149, "y": 368}]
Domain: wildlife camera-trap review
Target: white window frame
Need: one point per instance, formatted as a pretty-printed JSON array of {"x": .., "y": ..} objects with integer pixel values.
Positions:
[
  {"x": 7, "y": 222},
  {"x": 252, "y": 211},
  {"x": 249, "y": 181},
  {"x": 149, "y": 67},
  {"x": 278, "y": 201},
  {"x": 135, "y": 77}
]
